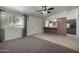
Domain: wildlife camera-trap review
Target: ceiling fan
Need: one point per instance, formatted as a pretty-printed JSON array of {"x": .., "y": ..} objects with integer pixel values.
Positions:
[{"x": 45, "y": 10}]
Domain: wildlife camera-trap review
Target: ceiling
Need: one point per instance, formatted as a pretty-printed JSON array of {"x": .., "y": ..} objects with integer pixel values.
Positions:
[{"x": 31, "y": 10}]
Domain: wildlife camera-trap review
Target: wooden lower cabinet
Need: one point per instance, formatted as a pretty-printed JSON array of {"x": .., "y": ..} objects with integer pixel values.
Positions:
[{"x": 50, "y": 30}]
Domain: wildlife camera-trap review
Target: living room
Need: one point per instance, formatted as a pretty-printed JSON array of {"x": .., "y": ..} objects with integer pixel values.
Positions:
[{"x": 57, "y": 25}]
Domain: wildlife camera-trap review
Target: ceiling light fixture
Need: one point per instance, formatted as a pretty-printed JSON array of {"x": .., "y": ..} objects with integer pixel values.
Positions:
[{"x": 44, "y": 12}]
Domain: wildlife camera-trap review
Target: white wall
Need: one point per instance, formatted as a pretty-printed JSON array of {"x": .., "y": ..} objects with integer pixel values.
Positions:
[
  {"x": 77, "y": 22},
  {"x": 77, "y": 30},
  {"x": 10, "y": 31},
  {"x": 13, "y": 33},
  {"x": 34, "y": 25}
]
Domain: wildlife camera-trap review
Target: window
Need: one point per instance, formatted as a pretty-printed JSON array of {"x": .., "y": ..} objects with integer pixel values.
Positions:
[
  {"x": 18, "y": 22},
  {"x": 11, "y": 20},
  {"x": 51, "y": 23}
]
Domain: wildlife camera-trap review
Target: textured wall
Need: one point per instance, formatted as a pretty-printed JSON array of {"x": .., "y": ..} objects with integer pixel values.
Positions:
[
  {"x": 34, "y": 25},
  {"x": 13, "y": 33}
]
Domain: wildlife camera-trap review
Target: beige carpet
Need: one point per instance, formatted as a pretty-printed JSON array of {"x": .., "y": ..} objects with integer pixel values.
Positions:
[
  {"x": 66, "y": 41},
  {"x": 32, "y": 45}
]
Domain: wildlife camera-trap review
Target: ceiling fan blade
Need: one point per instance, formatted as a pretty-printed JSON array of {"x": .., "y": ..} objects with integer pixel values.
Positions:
[
  {"x": 44, "y": 8},
  {"x": 51, "y": 8},
  {"x": 48, "y": 12},
  {"x": 41, "y": 13}
]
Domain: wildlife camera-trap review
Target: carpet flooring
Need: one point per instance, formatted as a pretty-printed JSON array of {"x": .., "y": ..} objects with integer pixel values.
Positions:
[{"x": 32, "y": 45}]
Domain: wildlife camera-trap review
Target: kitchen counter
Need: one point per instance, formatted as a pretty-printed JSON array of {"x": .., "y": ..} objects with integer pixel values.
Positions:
[{"x": 50, "y": 30}]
